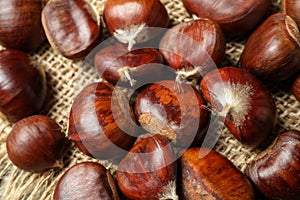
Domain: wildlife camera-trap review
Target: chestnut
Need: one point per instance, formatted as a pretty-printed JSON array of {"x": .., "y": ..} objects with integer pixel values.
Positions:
[
  {"x": 175, "y": 111},
  {"x": 149, "y": 169},
  {"x": 205, "y": 174},
  {"x": 291, "y": 8},
  {"x": 243, "y": 103},
  {"x": 128, "y": 20},
  {"x": 276, "y": 170},
  {"x": 72, "y": 27},
  {"x": 101, "y": 122},
  {"x": 23, "y": 86},
  {"x": 20, "y": 24},
  {"x": 88, "y": 181},
  {"x": 235, "y": 17},
  {"x": 193, "y": 48},
  {"x": 35, "y": 144},
  {"x": 296, "y": 88},
  {"x": 115, "y": 63},
  {"x": 272, "y": 52}
]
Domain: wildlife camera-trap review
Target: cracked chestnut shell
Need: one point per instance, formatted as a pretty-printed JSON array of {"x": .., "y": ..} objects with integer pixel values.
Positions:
[
  {"x": 276, "y": 170},
  {"x": 173, "y": 110},
  {"x": 100, "y": 122},
  {"x": 296, "y": 88},
  {"x": 235, "y": 17},
  {"x": 291, "y": 8},
  {"x": 88, "y": 181},
  {"x": 20, "y": 24},
  {"x": 243, "y": 103},
  {"x": 149, "y": 168},
  {"x": 272, "y": 52},
  {"x": 23, "y": 87},
  {"x": 36, "y": 143},
  {"x": 205, "y": 174},
  {"x": 71, "y": 27}
]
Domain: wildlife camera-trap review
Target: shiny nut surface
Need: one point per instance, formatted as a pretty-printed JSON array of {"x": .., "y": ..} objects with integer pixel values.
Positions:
[
  {"x": 291, "y": 8},
  {"x": 296, "y": 88}
]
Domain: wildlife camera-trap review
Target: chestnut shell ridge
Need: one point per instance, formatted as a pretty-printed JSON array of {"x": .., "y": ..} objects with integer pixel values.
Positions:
[
  {"x": 291, "y": 8},
  {"x": 243, "y": 103},
  {"x": 101, "y": 123}
]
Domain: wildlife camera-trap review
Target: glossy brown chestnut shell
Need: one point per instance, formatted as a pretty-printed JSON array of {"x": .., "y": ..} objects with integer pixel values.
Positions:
[
  {"x": 296, "y": 88},
  {"x": 244, "y": 104},
  {"x": 20, "y": 24},
  {"x": 276, "y": 170},
  {"x": 113, "y": 62},
  {"x": 72, "y": 27},
  {"x": 100, "y": 122},
  {"x": 88, "y": 181},
  {"x": 235, "y": 17},
  {"x": 196, "y": 44},
  {"x": 175, "y": 111},
  {"x": 23, "y": 86},
  {"x": 36, "y": 143},
  {"x": 291, "y": 8},
  {"x": 148, "y": 169},
  {"x": 205, "y": 174},
  {"x": 272, "y": 52}
]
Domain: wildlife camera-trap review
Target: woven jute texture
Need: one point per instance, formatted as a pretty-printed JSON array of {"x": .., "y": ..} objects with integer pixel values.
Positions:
[{"x": 62, "y": 78}]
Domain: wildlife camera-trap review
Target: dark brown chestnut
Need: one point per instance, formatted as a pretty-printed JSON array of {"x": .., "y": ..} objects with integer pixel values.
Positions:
[
  {"x": 291, "y": 8},
  {"x": 205, "y": 174},
  {"x": 20, "y": 24},
  {"x": 193, "y": 47},
  {"x": 100, "y": 122},
  {"x": 128, "y": 20},
  {"x": 149, "y": 169},
  {"x": 276, "y": 170},
  {"x": 244, "y": 104},
  {"x": 22, "y": 85},
  {"x": 72, "y": 27},
  {"x": 36, "y": 143},
  {"x": 88, "y": 181},
  {"x": 296, "y": 88},
  {"x": 235, "y": 17},
  {"x": 115, "y": 63},
  {"x": 175, "y": 111},
  {"x": 272, "y": 52}
]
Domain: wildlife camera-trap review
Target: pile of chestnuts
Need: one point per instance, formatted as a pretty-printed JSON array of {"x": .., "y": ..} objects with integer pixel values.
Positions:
[{"x": 154, "y": 132}]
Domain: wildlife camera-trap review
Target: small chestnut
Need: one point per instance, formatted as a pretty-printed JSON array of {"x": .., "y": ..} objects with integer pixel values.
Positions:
[
  {"x": 72, "y": 27},
  {"x": 128, "y": 20},
  {"x": 35, "y": 144},
  {"x": 241, "y": 100},
  {"x": 272, "y": 52},
  {"x": 88, "y": 181},
  {"x": 148, "y": 169},
  {"x": 205, "y": 174},
  {"x": 101, "y": 122},
  {"x": 276, "y": 170},
  {"x": 235, "y": 17},
  {"x": 193, "y": 48},
  {"x": 296, "y": 88},
  {"x": 20, "y": 24},
  {"x": 175, "y": 111},
  {"x": 23, "y": 86},
  {"x": 291, "y": 8}
]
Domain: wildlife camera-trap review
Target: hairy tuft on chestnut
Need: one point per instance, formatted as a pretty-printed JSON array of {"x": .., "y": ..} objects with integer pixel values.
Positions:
[
  {"x": 291, "y": 8},
  {"x": 88, "y": 181},
  {"x": 276, "y": 170},
  {"x": 23, "y": 87},
  {"x": 36, "y": 143}
]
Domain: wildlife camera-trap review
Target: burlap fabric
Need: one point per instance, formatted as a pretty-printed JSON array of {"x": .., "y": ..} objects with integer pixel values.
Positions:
[{"x": 62, "y": 76}]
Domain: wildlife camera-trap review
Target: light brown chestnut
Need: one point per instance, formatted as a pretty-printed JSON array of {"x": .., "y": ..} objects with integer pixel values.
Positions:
[
  {"x": 243, "y": 103},
  {"x": 193, "y": 48},
  {"x": 88, "y": 181},
  {"x": 205, "y": 174},
  {"x": 272, "y": 52},
  {"x": 276, "y": 170},
  {"x": 149, "y": 168},
  {"x": 296, "y": 88},
  {"x": 23, "y": 86},
  {"x": 101, "y": 122},
  {"x": 36, "y": 143},
  {"x": 235, "y": 17},
  {"x": 291, "y": 8},
  {"x": 72, "y": 27},
  {"x": 20, "y": 24}
]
